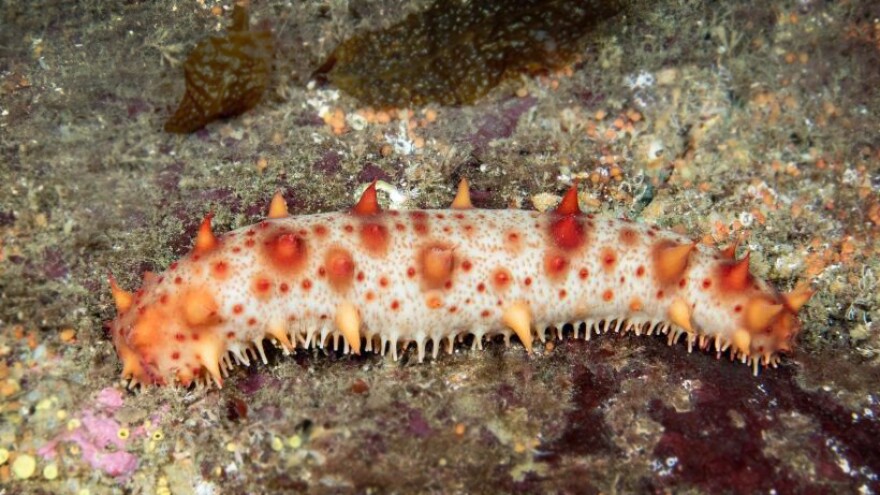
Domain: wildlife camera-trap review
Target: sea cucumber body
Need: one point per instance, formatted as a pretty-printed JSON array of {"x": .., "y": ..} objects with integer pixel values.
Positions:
[{"x": 427, "y": 277}]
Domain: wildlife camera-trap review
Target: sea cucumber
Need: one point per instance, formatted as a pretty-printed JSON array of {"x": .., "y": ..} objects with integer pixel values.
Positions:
[{"x": 375, "y": 280}]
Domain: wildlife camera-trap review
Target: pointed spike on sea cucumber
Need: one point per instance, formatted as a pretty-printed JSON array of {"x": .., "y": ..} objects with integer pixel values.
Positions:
[
  {"x": 369, "y": 202},
  {"x": 462, "y": 199},
  {"x": 348, "y": 319},
  {"x": 672, "y": 261},
  {"x": 569, "y": 203},
  {"x": 518, "y": 316},
  {"x": 205, "y": 238},
  {"x": 277, "y": 207},
  {"x": 737, "y": 277},
  {"x": 729, "y": 252},
  {"x": 122, "y": 298},
  {"x": 209, "y": 352},
  {"x": 796, "y": 299},
  {"x": 680, "y": 314},
  {"x": 741, "y": 341},
  {"x": 760, "y": 313}
]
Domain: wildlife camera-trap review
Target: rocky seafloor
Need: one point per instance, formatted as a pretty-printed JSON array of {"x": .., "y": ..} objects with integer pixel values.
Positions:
[{"x": 754, "y": 122}]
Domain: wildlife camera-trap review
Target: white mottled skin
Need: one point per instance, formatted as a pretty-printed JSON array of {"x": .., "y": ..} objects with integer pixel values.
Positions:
[{"x": 480, "y": 237}]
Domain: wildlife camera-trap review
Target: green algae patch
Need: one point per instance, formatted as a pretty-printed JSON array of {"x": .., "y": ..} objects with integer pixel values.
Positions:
[{"x": 455, "y": 52}]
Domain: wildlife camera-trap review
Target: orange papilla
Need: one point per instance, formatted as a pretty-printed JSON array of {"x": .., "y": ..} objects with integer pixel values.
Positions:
[
  {"x": 374, "y": 237},
  {"x": 286, "y": 251},
  {"x": 735, "y": 275},
  {"x": 437, "y": 262},
  {"x": 340, "y": 268},
  {"x": 369, "y": 202},
  {"x": 567, "y": 232}
]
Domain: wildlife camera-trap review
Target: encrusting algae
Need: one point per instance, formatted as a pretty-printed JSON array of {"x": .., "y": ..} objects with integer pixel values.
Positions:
[
  {"x": 455, "y": 52},
  {"x": 225, "y": 75}
]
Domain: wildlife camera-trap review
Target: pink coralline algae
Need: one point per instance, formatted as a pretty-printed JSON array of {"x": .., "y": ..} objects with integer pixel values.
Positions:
[{"x": 98, "y": 437}]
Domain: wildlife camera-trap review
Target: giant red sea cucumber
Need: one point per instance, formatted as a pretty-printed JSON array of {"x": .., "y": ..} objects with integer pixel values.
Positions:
[{"x": 382, "y": 280}]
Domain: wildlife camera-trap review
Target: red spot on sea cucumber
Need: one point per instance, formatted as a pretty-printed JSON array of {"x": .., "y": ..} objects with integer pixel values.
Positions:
[
  {"x": 485, "y": 313},
  {"x": 453, "y": 309},
  {"x": 360, "y": 276},
  {"x": 434, "y": 302},
  {"x": 481, "y": 287},
  {"x": 501, "y": 278},
  {"x": 178, "y": 280},
  {"x": 287, "y": 252},
  {"x": 512, "y": 240},
  {"x": 322, "y": 271},
  {"x": 420, "y": 222},
  {"x": 163, "y": 299},
  {"x": 608, "y": 295},
  {"x": 459, "y": 216},
  {"x": 236, "y": 249},
  {"x": 383, "y": 282},
  {"x": 466, "y": 265},
  {"x": 660, "y": 294},
  {"x": 628, "y": 236},
  {"x": 410, "y": 272},
  {"x": 252, "y": 321},
  {"x": 374, "y": 236},
  {"x": 175, "y": 355},
  {"x": 682, "y": 283},
  {"x": 348, "y": 228},
  {"x": 528, "y": 281},
  {"x": 172, "y": 266},
  {"x": 370, "y": 296},
  {"x": 221, "y": 269},
  {"x": 583, "y": 273},
  {"x": 635, "y": 304},
  {"x": 609, "y": 258},
  {"x": 738, "y": 308},
  {"x": 262, "y": 286},
  {"x": 400, "y": 227},
  {"x": 640, "y": 271},
  {"x": 237, "y": 309},
  {"x": 562, "y": 293},
  {"x": 707, "y": 283},
  {"x": 249, "y": 243},
  {"x": 306, "y": 284},
  {"x": 340, "y": 268},
  {"x": 320, "y": 230},
  {"x": 230, "y": 335},
  {"x": 556, "y": 265},
  {"x": 395, "y": 304},
  {"x": 284, "y": 287}
]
